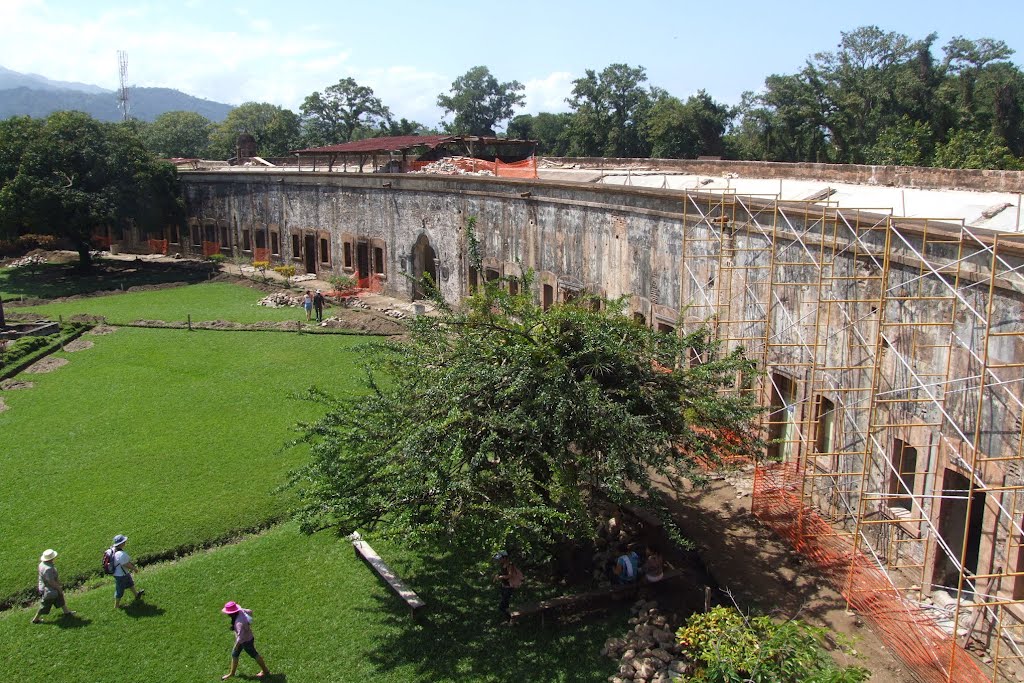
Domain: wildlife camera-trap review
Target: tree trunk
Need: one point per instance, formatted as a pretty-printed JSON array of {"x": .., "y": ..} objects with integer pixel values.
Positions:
[{"x": 84, "y": 255}]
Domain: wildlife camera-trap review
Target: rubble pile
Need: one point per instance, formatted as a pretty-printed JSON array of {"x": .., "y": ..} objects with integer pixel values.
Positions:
[
  {"x": 616, "y": 530},
  {"x": 33, "y": 260},
  {"x": 280, "y": 300},
  {"x": 450, "y": 166},
  {"x": 649, "y": 652}
]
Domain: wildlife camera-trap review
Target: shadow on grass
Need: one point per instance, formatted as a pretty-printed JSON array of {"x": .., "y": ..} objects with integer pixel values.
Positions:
[
  {"x": 55, "y": 280},
  {"x": 70, "y": 621},
  {"x": 272, "y": 678},
  {"x": 459, "y": 635},
  {"x": 140, "y": 609}
]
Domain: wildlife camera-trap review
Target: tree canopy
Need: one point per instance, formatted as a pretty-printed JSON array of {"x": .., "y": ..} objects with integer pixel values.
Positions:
[
  {"x": 183, "y": 134},
  {"x": 71, "y": 174},
  {"x": 340, "y": 112},
  {"x": 503, "y": 422},
  {"x": 276, "y": 130},
  {"x": 479, "y": 102}
]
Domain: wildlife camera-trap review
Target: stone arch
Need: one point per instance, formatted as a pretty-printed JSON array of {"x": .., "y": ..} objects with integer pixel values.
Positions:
[{"x": 424, "y": 262}]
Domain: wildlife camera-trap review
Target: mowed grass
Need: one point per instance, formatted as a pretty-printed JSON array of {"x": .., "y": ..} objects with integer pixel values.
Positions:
[
  {"x": 207, "y": 301},
  {"x": 52, "y": 280},
  {"x": 171, "y": 437},
  {"x": 320, "y": 615}
]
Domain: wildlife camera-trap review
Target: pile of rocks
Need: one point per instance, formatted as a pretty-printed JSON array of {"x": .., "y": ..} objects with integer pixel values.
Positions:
[
  {"x": 450, "y": 167},
  {"x": 280, "y": 300},
  {"x": 649, "y": 652},
  {"x": 24, "y": 261}
]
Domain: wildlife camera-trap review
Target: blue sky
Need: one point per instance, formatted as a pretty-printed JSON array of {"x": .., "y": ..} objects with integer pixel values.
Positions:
[{"x": 408, "y": 52}]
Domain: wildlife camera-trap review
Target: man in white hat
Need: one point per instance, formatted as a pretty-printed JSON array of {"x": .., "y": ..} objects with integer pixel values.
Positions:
[
  {"x": 51, "y": 593},
  {"x": 123, "y": 568}
]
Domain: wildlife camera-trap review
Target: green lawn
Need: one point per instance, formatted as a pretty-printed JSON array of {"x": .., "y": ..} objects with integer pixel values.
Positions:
[
  {"x": 320, "y": 615},
  {"x": 208, "y": 301},
  {"x": 172, "y": 437},
  {"x": 54, "y": 280}
]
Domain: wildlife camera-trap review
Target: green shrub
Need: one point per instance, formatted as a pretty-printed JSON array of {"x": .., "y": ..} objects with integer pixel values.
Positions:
[
  {"x": 287, "y": 272},
  {"x": 342, "y": 282},
  {"x": 216, "y": 258},
  {"x": 728, "y": 647},
  {"x": 19, "y": 349}
]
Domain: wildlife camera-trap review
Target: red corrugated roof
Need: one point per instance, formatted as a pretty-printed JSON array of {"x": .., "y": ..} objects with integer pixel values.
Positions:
[{"x": 392, "y": 144}]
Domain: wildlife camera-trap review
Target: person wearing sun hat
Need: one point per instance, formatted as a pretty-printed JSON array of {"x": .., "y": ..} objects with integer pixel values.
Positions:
[
  {"x": 51, "y": 593},
  {"x": 123, "y": 568},
  {"x": 241, "y": 624}
]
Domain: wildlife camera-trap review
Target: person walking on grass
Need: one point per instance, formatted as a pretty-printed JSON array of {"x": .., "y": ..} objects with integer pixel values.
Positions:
[
  {"x": 51, "y": 593},
  {"x": 509, "y": 578},
  {"x": 123, "y": 568},
  {"x": 241, "y": 624},
  {"x": 307, "y": 305},
  {"x": 318, "y": 306}
]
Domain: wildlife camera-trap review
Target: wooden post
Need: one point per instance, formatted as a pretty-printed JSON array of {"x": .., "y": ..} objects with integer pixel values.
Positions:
[
  {"x": 707, "y": 598},
  {"x": 189, "y": 322}
]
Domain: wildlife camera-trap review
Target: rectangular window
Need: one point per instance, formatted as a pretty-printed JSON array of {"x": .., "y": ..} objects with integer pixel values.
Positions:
[
  {"x": 196, "y": 238},
  {"x": 275, "y": 244},
  {"x": 474, "y": 279},
  {"x": 549, "y": 297},
  {"x": 246, "y": 240},
  {"x": 173, "y": 235},
  {"x": 261, "y": 239},
  {"x": 348, "y": 255},
  {"x": 296, "y": 246},
  {"x": 824, "y": 424},
  {"x": 902, "y": 475},
  {"x": 490, "y": 274},
  {"x": 225, "y": 238},
  {"x": 378, "y": 260},
  {"x": 210, "y": 233},
  {"x": 513, "y": 286},
  {"x": 666, "y": 329},
  {"x": 325, "y": 254},
  {"x": 782, "y": 419}
]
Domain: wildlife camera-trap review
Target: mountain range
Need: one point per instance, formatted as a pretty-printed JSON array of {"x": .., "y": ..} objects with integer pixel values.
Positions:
[{"x": 38, "y": 96}]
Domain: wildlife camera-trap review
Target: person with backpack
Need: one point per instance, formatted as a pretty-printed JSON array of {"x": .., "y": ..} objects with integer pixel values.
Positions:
[
  {"x": 241, "y": 624},
  {"x": 117, "y": 562},
  {"x": 51, "y": 592},
  {"x": 509, "y": 578}
]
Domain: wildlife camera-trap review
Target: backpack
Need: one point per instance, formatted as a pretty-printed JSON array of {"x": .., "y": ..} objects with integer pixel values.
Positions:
[{"x": 108, "y": 561}]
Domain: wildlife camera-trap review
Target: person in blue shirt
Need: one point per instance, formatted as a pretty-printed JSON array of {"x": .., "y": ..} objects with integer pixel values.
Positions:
[{"x": 627, "y": 566}]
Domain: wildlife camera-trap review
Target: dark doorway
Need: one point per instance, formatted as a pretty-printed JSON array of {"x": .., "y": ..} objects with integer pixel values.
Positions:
[
  {"x": 424, "y": 262},
  {"x": 953, "y": 524},
  {"x": 310, "y": 253},
  {"x": 782, "y": 419},
  {"x": 362, "y": 260}
]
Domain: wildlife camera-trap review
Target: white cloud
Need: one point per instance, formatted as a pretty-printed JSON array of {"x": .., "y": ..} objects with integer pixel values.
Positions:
[{"x": 548, "y": 94}]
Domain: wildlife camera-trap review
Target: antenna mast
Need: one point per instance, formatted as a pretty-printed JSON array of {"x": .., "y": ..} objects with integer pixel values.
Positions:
[{"x": 122, "y": 94}]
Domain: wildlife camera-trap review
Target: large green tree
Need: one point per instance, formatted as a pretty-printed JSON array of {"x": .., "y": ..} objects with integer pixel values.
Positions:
[
  {"x": 686, "y": 130},
  {"x": 479, "y": 102},
  {"x": 75, "y": 174},
  {"x": 337, "y": 114},
  {"x": 276, "y": 130},
  {"x": 609, "y": 110},
  {"x": 499, "y": 421},
  {"x": 549, "y": 130},
  {"x": 179, "y": 134}
]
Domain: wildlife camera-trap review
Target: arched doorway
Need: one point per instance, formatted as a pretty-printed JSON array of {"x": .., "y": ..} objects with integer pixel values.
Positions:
[{"x": 424, "y": 262}]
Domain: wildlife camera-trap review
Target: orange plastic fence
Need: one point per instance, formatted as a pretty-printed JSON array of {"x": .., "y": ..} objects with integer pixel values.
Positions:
[
  {"x": 211, "y": 248},
  {"x": 100, "y": 241},
  {"x": 261, "y": 255},
  {"x": 370, "y": 283},
  {"x": 158, "y": 246},
  {"x": 911, "y": 632}
]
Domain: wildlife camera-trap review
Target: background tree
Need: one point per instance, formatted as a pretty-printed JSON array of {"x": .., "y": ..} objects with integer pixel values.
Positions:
[
  {"x": 549, "y": 130},
  {"x": 75, "y": 175},
  {"x": 179, "y": 134},
  {"x": 609, "y": 109},
  {"x": 479, "y": 102},
  {"x": 340, "y": 112},
  {"x": 677, "y": 130},
  {"x": 276, "y": 130},
  {"x": 404, "y": 127},
  {"x": 503, "y": 422}
]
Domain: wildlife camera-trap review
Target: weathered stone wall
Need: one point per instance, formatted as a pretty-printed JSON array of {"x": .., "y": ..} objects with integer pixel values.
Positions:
[{"x": 885, "y": 320}]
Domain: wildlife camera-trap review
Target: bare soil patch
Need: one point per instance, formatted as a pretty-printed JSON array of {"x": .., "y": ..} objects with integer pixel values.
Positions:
[
  {"x": 103, "y": 329},
  {"x": 370, "y": 322},
  {"x": 48, "y": 364},
  {"x": 78, "y": 345},
  {"x": 764, "y": 574},
  {"x": 14, "y": 385}
]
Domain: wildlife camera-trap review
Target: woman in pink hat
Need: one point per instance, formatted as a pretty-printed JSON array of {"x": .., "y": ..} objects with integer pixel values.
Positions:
[{"x": 241, "y": 624}]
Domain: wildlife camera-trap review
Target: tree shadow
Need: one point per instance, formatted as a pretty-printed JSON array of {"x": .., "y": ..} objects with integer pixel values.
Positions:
[
  {"x": 461, "y": 633},
  {"x": 140, "y": 609},
  {"x": 50, "y": 281},
  {"x": 272, "y": 678}
]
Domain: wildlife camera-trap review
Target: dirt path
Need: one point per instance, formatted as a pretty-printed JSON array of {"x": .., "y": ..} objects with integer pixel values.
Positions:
[{"x": 765, "y": 575}]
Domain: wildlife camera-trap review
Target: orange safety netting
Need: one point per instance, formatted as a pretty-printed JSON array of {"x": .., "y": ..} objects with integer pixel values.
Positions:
[
  {"x": 100, "y": 241},
  {"x": 370, "y": 283},
  {"x": 260, "y": 254},
  {"x": 211, "y": 248},
  {"x": 527, "y": 168},
  {"x": 928, "y": 650},
  {"x": 158, "y": 246}
]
